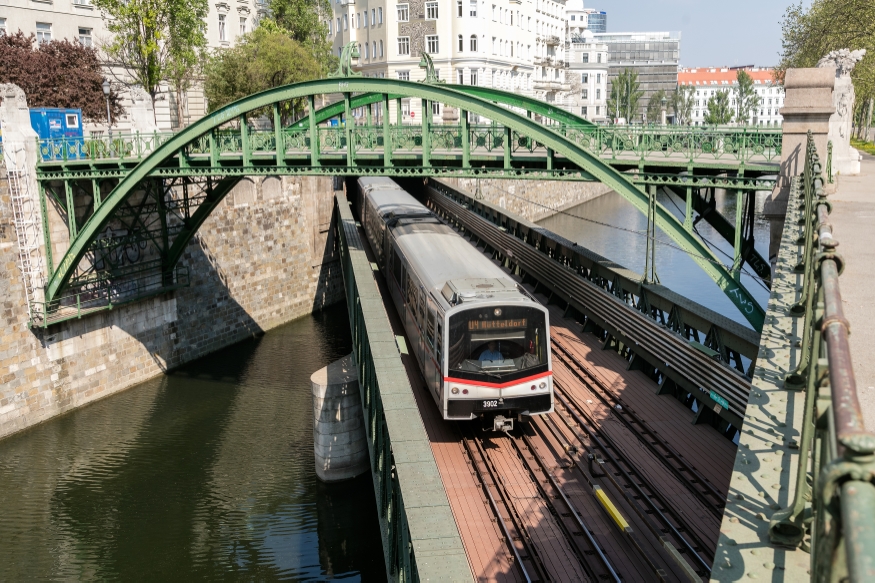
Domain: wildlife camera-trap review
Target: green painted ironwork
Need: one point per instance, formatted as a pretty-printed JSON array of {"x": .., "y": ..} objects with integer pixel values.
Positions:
[
  {"x": 421, "y": 540},
  {"x": 221, "y": 147},
  {"x": 834, "y": 491}
]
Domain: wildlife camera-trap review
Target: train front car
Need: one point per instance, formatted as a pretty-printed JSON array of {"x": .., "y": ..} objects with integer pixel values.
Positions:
[{"x": 497, "y": 361}]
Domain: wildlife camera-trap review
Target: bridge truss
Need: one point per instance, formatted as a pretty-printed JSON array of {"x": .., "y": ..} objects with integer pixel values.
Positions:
[{"x": 132, "y": 206}]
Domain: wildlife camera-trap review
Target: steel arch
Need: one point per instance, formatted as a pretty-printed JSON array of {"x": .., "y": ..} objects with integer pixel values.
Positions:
[{"x": 587, "y": 161}]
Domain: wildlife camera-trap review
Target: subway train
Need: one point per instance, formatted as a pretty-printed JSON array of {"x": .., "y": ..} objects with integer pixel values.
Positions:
[{"x": 482, "y": 341}]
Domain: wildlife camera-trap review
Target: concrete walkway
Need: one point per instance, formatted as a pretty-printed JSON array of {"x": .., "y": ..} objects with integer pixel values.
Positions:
[{"x": 853, "y": 219}]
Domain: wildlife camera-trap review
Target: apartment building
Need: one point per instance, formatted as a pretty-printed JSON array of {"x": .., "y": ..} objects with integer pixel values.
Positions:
[
  {"x": 709, "y": 81},
  {"x": 588, "y": 77}
]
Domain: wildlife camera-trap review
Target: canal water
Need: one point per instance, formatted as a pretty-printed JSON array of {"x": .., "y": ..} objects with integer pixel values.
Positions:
[
  {"x": 205, "y": 473},
  {"x": 613, "y": 228}
]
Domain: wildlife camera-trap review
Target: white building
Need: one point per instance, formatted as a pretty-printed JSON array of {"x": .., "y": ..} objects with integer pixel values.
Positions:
[
  {"x": 510, "y": 45},
  {"x": 588, "y": 76},
  {"x": 709, "y": 81}
]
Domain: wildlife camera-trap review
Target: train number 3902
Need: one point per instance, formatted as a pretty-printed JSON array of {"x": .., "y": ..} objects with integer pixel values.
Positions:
[{"x": 490, "y": 404}]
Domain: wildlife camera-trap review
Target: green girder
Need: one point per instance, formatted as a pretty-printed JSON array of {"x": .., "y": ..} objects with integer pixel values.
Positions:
[{"x": 448, "y": 95}]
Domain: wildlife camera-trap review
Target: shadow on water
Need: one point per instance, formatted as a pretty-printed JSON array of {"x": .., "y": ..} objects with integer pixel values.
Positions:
[{"x": 203, "y": 473}]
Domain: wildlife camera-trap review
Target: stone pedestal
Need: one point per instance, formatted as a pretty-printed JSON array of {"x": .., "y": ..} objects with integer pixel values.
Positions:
[
  {"x": 845, "y": 159},
  {"x": 808, "y": 105},
  {"x": 339, "y": 441}
]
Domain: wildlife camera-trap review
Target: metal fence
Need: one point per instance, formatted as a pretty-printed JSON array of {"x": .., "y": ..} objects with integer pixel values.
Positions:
[{"x": 834, "y": 498}]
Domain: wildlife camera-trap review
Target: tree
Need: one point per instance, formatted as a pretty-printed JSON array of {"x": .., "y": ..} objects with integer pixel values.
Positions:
[
  {"x": 151, "y": 36},
  {"x": 719, "y": 111},
  {"x": 57, "y": 73},
  {"x": 747, "y": 100},
  {"x": 682, "y": 104},
  {"x": 625, "y": 95},
  {"x": 264, "y": 58},
  {"x": 654, "y": 107},
  {"x": 305, "y": 22}
]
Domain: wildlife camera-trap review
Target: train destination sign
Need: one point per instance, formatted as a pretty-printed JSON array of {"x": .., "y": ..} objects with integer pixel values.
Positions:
[{"x": 496, "y": 324}]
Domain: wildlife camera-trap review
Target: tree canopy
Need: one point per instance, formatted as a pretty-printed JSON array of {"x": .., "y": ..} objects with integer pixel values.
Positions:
[
  {"x": 265, "y": 58},
  {"x": 57, "y": 73},
  {"x": 719, "y": 110},
  {"x": 149, "y": 37},
  {"x": 624, "y": 99},
  {"x": 746, "y": 98},
  {"x": 681, "y": 100},
  {"x": 654, "y": 106},
  {"x": 304, "y": 20}
]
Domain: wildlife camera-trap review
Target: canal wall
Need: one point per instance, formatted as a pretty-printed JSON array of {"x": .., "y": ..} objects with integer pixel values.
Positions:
[
  {"x": 533, "y": 200},
  {"x": 264, "y": 257}
]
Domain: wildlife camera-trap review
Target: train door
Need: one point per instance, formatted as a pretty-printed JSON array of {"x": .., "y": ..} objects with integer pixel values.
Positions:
[
  {"x": 439, "y": 356},
  {"x": 432, "y": 367}
]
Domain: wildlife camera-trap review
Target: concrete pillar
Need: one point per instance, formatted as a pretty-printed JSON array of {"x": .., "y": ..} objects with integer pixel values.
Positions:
[
  {"x": 339, "y": 441},
  {"x": 808, "y": 105}
]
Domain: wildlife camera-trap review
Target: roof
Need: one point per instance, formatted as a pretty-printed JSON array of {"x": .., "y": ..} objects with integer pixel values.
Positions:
[{"x": 723, "y": 76}]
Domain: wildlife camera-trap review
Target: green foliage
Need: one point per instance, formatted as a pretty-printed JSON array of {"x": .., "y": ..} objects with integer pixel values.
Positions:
[
  {"x": 155, "y": 40},
  {"x": 827, "y": 25},
  {"x": 719, "y": 111},
  {"x": 681, "y": 101},
  {"x": 867, "y": 147},
  {"x": 262, "y": 59},
  {"x": 747, "y": 100},
  {"x": 58, "y": 73},
  {"x": 654, "y": 106},
  {"x": 625, "y": 96},
  {"x": 304, "y": 21}
]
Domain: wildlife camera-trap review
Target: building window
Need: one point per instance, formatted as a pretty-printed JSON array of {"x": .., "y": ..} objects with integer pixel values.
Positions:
[
  {"x": 404, "y": 75},
  {"x": 585, "y": 94},
  {"x": 584, "y": 78},
  {"x": 84, "y": 36},
  {"x": 493, "y": 13},
  {"x": 381, "y": 48},
  {"x": 432, "y": 45},
  {"x": 459, "y": 8},
  {"x": 374, "y": 49},
  {"x": 365, "y": 14},
  {"x": 598, "y": 78},
  {"x": 599, "y": 58},
  {"x": 598, "y": 110},
  {"x": 435, "y": 108},
  {"x": 404, "y": 44},
  {"x": 460, "y": 76},
  {"x": 2, "y": 26},
  {"x": 431, "y": 10},
  {"x": 573, "y": 18},
  {"x": 337, "y": 30},
  {"x": 357, "y": 20},
  {"x": 585, "y": 57},
  {"x": 380, "y": 15},
  {"x": 367, "y": 53},
  {"x": 583, "y": 110},
  {"x": 598, "y": 93},
  {"x": 43, "y": 32},
  {"x": 404, "y": 14},
  {"x": 473, "y": 77},
  {"x": 373, "y": 17},
  {"x": 461, "y": 43},
  {"x": 493, "y": 45},
  {"x": 345, "y": 22},
  {"x": 242, "y": 25},
  {"x": 472, "y": 10}
]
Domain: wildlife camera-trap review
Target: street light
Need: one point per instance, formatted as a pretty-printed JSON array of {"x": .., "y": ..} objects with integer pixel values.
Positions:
[
  {"x": 106, "y": 89},
  {"x": 663, "y": 101}
]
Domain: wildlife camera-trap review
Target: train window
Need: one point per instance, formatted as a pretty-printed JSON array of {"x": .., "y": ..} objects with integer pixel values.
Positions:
[
  {"x": 422, "y": 309},
  {"x": 489, "y": 342},
  {"x": 439, "y": 338},
  {"x": 430, "y": 327},
  {"x": 396, "y": 266},
  {"x": 411, "y": 294}
]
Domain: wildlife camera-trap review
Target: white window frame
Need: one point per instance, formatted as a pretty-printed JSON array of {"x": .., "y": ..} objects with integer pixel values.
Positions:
[
  {"x": 404, "y": 75},
  {"x": 404, "y": 45},
  {"x": 472, "y": 43},
  {"x": 242, "y": 25},
  {"x": 337, "y": 30},
  {"x": 373, "y": 17},
  {"x": 403, "y": 11},
  {"x": 431, "y": 10},
  {"x": 461, "y": 45},
  {"x": 433, "y": 44},
  {"x": 41, "y": 32},
  {"x": 585, "y": 93},
  {"x": 366, "y": 18},
  {"x": 367, "y": 52},
  {"x": 381, "y": 48},
  {"x": 473, "y": 77},
  {"x": 380, "y": 14},
  {"x": 472, "y": 9},
  {"x": 459, "y": 8},
  {"x": 85, "y": 36},
  {"x": 346, "y": 22},
  {"x": 2, "y": 26}
]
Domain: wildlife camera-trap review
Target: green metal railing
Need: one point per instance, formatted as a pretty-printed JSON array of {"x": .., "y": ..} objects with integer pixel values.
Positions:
[
  {"x": 834, "y": 498},
  {"x": 743, "y": 144}
]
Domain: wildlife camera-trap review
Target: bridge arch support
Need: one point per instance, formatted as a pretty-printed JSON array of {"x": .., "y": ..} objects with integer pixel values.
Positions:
[{"x": 515, "y": 144}]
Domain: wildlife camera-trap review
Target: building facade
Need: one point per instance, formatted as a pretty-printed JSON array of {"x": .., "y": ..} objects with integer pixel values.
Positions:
[
  {"x": 653, "y": 55},
  {"x": 588, "y": 77},
  {"x": 709, "y": 81}
]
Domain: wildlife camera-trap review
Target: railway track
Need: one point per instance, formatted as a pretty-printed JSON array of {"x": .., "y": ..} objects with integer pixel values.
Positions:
[{"x": 688, "y": 475}]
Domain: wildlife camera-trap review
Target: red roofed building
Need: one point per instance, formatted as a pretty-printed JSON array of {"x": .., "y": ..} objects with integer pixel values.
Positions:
[{"x": 709, "y": 81}]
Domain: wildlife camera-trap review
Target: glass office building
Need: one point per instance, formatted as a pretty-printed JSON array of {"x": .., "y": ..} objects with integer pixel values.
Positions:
[{"x": 597, "y": 21}]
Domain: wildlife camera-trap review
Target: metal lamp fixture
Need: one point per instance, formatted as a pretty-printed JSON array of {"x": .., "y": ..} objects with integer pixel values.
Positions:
[{"x": 106, "y": 90}]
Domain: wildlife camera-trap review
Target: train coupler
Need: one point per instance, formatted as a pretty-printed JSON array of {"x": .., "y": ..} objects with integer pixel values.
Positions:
[{"x": 502, "y": 423}]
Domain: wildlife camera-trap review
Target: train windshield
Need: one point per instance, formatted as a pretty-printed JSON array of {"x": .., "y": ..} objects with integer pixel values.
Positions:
[{"x": 497, "y": 344}]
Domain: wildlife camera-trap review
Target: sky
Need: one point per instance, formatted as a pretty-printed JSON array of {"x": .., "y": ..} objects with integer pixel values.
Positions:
[{"x": 713, "y": 32}]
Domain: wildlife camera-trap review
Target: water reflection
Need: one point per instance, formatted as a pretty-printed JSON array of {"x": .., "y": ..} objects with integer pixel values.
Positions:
[
  {"x": 674, "y": 267},
  {"x": 205, "y": 473}
]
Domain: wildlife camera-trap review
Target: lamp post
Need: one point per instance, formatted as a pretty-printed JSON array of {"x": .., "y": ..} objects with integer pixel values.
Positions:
[
  {"x": 106, "y": 89},
  {"x": 663, "y": 101}
]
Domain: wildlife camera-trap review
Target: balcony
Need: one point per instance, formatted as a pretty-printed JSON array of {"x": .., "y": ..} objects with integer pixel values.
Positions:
[
  {"x": 552, "y": 40},
  {"x": 550, "y": 85}
]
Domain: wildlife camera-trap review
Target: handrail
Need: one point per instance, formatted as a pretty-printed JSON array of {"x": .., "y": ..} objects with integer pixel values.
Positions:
[{"x": 841, "y": 498}]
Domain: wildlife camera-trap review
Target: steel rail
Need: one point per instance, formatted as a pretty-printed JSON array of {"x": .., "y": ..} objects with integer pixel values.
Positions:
[
  {"x": 571, "y": 508},
  {"x": 508, "y": 537},
  {"x": 608, "y": 447},
  {"x": 664, "y": 346},
  {"x": 525, "y": 538},
  {"x": 653, "y": 441}
]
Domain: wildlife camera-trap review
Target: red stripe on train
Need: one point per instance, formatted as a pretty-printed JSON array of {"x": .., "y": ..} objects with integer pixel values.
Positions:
[{"x": 499, "y": 385}]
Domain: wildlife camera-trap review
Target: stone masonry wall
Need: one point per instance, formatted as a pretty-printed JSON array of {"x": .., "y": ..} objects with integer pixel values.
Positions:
[
  {"x": 263, "y": 258},
  {"x": 532, "y": 199}
]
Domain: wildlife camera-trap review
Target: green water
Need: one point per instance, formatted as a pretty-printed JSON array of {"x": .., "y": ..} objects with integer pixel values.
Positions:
[{"x": 205, "y": 473}]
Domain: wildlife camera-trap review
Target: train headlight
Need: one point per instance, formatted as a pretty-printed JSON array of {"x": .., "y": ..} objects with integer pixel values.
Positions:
[
  {"x": 455, "y": 390},
  {"x": 543, "y": 385},
  {"x": 497, "y": 311}
]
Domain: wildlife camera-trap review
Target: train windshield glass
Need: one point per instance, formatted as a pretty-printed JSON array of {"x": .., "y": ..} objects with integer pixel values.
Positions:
[{"x": 497, "y": 344}]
